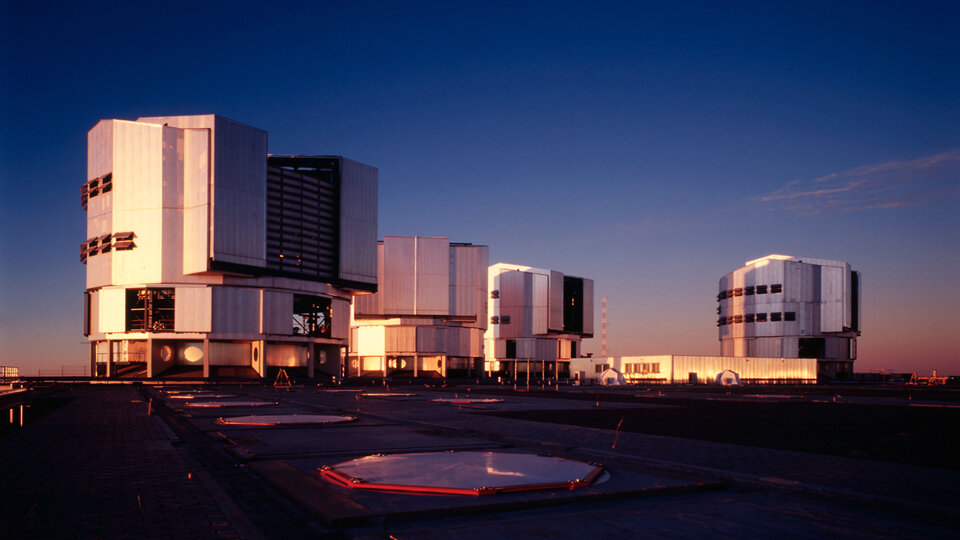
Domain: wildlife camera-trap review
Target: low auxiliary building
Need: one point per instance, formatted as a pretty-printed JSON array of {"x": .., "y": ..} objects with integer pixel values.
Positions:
[
  {"x": 538, "y": 319},
  {"x": 206, "y": 256},
  {"x": 791, "y": 307},
  {"x": 670, "y": 369},
  {"x": 428, "y": 317}
]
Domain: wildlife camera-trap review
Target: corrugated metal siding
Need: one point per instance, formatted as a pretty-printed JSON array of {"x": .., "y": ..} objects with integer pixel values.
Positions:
[
  {"x": 230, "y": 353},
  {"x": 358, "y": 221},
  {"x": 432, "y": 276},
  {"x": 399, "y": 339},
  {"x": 431, "y": 339},
  {"x": 193, "y": 309},
  {"x": 398, "y": 287},
  {"x": 555, "y": 312},
  {"x": 236, "y": 310},
  {"x": 112, "y": 309},
  {"x": 196, "y": 208},
  {"x": 541, "y": 286},
  {"x": 340, "y": 327},
  {"x": 748, "y": 368},
  {"x": 276, "y": 313},
  {"x": 286, "y": 355},
  {"x": 832, "y": 299}
]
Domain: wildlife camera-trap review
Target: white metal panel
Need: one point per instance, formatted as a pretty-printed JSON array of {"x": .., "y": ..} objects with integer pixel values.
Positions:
[
  {"x": 358, "y": 221},
  {"x": 236, "y": 310},
  {"x": 431, "y": 339},
  {"x": 398, "y": 286},
  {"x": 341, "y": 318},
  {"x": 831, "y": 299},
  {"x": 468, "y": 283},
  {"x": 138, "y": 201},
  {"x": 432, "y": 276},
  {"x": 400, "y": 339},
  {"x": 276, "y": 312},
  {"x": 112, "y": 309},
  {"x": 196, "y": 207},
  {"x": 286, "y": 354},
  {"x": 193, "y": 309},
  {"x": 370, "y": 341},
  {"x": 538, "y": 323},
  {"x": 230, "y": 353}
]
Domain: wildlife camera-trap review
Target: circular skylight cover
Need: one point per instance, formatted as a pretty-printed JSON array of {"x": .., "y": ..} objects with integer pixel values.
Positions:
[
  {"x": 461, "y": 473},
  {"x": 201, "y": 395},
  {"x": 284, "y": 419},
  {"x": 466, "y": 401},
  {"x": 215, "y": 404}
]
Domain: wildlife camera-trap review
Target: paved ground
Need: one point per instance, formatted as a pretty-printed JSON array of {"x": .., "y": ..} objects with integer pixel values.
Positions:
[{"x": 98, "y": 466}]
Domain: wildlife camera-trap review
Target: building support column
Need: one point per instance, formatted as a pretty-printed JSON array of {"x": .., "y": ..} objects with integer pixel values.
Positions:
[
  {"x": 311, "y": 359},
  {"x": 206, "y": 358},
  {"x": 416, "y": 365},
  {"x": 109, "y": 372},
  {"x": 93, "y": 359},
  {"x": 150, "y": 372}
]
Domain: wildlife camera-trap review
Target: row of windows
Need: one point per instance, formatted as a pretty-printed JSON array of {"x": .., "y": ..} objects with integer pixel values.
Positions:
[
  {"x": 642, "y": 368},
  {"x": 750, "y": 291},
  {"x": 101, "y": 184},
  {"x": 757, "y": 317},
  {"x": 502, "y": 319},
  {"x": 121, "y": 241}
]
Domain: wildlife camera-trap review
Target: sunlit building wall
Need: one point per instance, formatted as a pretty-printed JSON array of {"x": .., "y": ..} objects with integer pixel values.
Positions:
[
  {"x": 428, "y": 316},
  {"x": 203, "y": 252},
  {"x": 538, "y": 319},
  {"x": 697, "y": 369},
  {"x": 791, "y": 307}
]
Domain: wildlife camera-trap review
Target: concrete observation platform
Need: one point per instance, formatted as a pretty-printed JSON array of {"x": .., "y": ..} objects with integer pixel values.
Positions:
[{"x": 95, "y": 464}]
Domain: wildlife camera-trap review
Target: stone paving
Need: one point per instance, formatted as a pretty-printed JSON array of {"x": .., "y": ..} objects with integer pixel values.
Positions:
[{"x": 100, "y": 467}]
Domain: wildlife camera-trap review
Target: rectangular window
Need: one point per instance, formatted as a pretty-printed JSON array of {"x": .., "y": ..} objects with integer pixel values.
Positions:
[
  {"x": 721, "y": 295},
  {"x": 748, "y": 317},
  {"x": 494, "y": 294},
  {"x": 777, "y": 288},
  {"x": 738, "y": 318},
  {"x": 738, "y": 291},
  {"x": 749, "y": 291},
  {"x": 504, "y": 319},
  {"x": 312, "y": 315},
  {"x": 511, "y": 348},
  {"x": 722, "y": 321},
  {"x": 790, "y": 316},
  {"x": 761, "y": 289},
  {"x": 495, "y": 320},
  {"x": 761, "y": 317},
  {"x": 729, "y": 293},
  {"x": 150, "y": 310},
  {"x": 774, "y": 317}
]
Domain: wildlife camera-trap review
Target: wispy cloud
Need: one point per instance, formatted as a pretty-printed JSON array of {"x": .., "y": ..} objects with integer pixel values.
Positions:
[{"x": 892, "y": 184}]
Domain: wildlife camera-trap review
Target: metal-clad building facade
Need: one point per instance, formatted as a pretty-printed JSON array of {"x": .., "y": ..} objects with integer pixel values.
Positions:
[
  {"x": 698, "y": 369},
  {"x": 538, "y": 319},
  {"x": 783, "y": 306},
  {"x": 428, "y": 316},
  {"x": 203, "y": 252}
]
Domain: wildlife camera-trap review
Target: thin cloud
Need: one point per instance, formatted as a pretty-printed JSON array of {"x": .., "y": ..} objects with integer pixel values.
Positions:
[{"x": 892, "y": 184}]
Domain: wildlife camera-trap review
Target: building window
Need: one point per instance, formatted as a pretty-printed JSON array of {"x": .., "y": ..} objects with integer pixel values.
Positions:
[
  {"x": 748, "y": 317},
  {"x": 495, "y": 320},
  {"x": 494, "y": 294},
  {"x": 504, "y": 319},
  {"x": 774, "y": 317},
  {"x": 761, "y": 289},
  {"x": 722, "y": 321},
  {"x": 150, "y": 310},
  {"x": 738, "y": 319},
  {"x": 790, "y": 316},
  {"x": 749, "y": 290},
  {"x": 729, "y": 293},
  {"x": 777, "y": 288},
  {"x": 600, "y": 368},
  {"x": 511, "y": 348},
  {"x": 738, "y": 291},
  {"x": 721, "y": 295},
  {"x": 812, "y": 347},
  {"x": 761, "y": 317},
  {"x": 89, "y": 190},
  {"x": 312, "y": 315},
  {"x": 729, "y": 319}
]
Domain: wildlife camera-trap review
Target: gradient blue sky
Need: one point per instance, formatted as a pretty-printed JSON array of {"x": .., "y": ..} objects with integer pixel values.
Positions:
[{"x": 652, "y": 147}]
